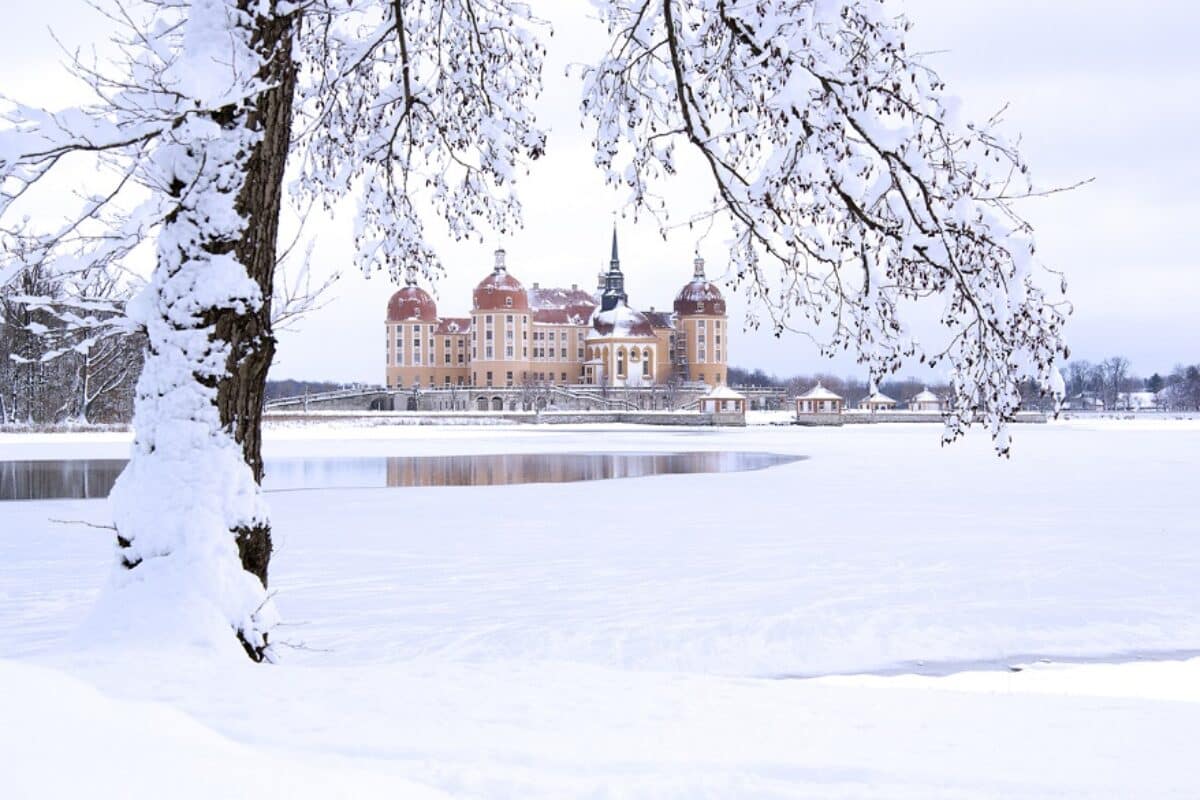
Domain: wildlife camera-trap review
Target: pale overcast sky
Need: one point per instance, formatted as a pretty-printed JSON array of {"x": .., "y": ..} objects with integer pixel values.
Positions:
[{"x": 1097, "y": 88}]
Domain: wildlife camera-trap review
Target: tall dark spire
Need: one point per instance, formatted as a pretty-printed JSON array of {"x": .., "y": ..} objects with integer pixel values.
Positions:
[{"x": 614, "y": 281}]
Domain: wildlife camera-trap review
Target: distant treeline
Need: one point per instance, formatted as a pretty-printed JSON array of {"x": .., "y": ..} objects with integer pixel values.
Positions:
[
  {"x": 1109, "y": 384},
  {"x": 852, "y": 389}
]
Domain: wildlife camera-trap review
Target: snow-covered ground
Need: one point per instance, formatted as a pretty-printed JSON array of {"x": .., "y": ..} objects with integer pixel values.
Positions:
[{"x": 736, "y": 635}]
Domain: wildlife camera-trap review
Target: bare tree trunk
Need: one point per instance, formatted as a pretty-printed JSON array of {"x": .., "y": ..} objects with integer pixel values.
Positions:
[{"x": 240, "y": 395}]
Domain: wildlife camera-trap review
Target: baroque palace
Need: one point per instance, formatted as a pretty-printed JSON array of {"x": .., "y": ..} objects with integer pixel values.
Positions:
[{"x": 557, "y": 337}]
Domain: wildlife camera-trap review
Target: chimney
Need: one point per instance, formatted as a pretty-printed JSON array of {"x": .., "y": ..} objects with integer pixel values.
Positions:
[
  {"x": 535, "y": 284},
  {"x": 574, "y": 287}
]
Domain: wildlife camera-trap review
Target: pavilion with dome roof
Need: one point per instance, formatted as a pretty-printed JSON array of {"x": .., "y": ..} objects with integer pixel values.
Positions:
[{"x": 518, "y": 337}]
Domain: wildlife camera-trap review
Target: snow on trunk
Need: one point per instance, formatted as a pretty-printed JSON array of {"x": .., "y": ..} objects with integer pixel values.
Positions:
[{"x": 187, "y": 488}]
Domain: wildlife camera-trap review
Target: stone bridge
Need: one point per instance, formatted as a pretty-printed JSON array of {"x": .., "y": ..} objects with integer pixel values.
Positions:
[{"x": 516, "y": 398}]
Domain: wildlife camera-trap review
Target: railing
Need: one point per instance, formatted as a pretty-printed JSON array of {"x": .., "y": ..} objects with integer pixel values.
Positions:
[{"x": 335, "y": 394}]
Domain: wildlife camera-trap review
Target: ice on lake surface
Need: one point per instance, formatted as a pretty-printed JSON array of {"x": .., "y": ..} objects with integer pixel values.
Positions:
[
  {"x": 93, "y": 478},
  {"x": 621, "y": 638}
]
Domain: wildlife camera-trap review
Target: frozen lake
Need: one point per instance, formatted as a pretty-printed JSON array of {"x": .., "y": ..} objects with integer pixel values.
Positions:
[
  {"x": 87, "y": 478},
  {"x": 624, "y": 637}
]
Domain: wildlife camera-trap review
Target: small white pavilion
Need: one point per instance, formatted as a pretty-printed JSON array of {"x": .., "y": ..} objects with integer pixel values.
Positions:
[
  {"x": 925, "y": 400},
  {"x": 819, "y": 400},
  {"x": 876, "y": 401},
  {"x": 722, "y": 402}
]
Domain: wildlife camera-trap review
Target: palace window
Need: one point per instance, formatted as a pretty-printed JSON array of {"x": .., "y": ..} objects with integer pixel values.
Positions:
[
  {"x": 488, "y": 353},
  {"x": 508, "y": 302},
  {"x": 700, "y": 357},
  {"x": 487, "y": 335},
  {"x": 489, "y": 379},
  {"x": 508, "y": 378},
  {"x": 509, "y": 319},
  {"x": 447, "y": 358},
  {"x": 488, "y": 319},
  {"x": 563, "y": 354}
]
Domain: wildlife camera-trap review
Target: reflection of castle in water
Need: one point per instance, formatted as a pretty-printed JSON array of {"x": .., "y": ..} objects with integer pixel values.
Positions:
[
  {"x": 500, "y": 469},
  {"x": 83, "y": 478}
]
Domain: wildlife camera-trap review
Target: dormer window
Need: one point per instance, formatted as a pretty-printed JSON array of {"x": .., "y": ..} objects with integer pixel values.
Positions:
[{"x": 508, "y": 302}]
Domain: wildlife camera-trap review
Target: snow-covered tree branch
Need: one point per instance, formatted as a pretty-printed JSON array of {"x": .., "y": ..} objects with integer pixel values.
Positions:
[
  {"x": 419, "y": 103},
  {"x": 854, "y": 191}
]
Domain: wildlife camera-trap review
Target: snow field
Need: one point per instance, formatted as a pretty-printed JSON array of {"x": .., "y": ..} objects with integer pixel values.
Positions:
[{"x": 623, "y": 638}]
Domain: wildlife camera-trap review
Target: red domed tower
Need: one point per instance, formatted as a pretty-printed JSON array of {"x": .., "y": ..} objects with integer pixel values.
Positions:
[
  {"x": 703, "y": 328},
  {"x": 500, "y": 329},
  {"x": 423, "y": 351},
  {"x": 412, "y": 303}
]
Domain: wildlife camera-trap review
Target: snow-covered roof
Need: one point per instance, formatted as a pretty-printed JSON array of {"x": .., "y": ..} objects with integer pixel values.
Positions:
[
  {"x": 723, "y": 392},
  {"x": 660, "y": 319},
  {"x": 925, "y": 396},
  {"x": 550, "y": 297},
  {"x": 877, "y": 397},
  {"x": 454, "y": 325},
  {"x": 819, "y": 392},
  {"x": 622, "y": 322}
]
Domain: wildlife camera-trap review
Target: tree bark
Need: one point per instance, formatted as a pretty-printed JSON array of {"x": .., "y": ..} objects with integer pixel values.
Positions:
[{"x": 240, "y": 394}]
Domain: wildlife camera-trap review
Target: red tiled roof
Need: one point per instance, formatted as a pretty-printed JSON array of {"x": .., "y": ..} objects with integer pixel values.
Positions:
[{"x": 449, "y": 325}]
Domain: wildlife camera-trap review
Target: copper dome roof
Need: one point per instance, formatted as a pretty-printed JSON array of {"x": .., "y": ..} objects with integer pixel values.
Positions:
[
  {"x": 500, "y": 291},
  {"x": 699, "y": 297},
  {"x": 411, "y": 303}
]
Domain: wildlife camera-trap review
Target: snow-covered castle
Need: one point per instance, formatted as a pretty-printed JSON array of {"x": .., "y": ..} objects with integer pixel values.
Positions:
[{"x": 554, "y": 336}]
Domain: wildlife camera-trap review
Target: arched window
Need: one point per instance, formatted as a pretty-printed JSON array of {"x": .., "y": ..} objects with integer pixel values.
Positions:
[
  {"x": 508, "y": 302},
  {"x": 621, "y": 363},
  {"x": 646, "y": 362}
]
